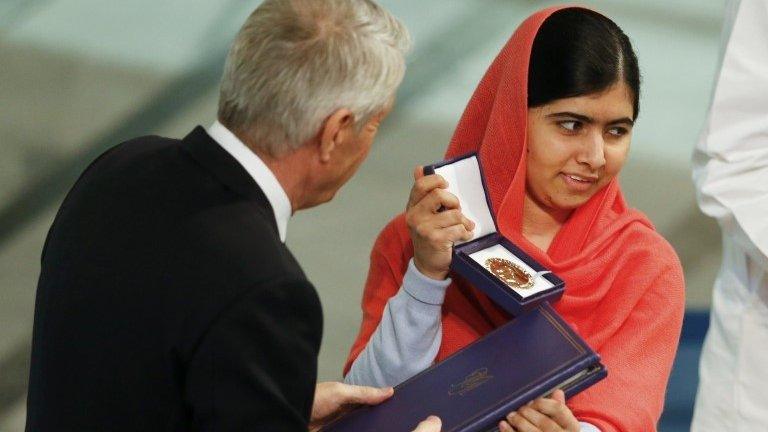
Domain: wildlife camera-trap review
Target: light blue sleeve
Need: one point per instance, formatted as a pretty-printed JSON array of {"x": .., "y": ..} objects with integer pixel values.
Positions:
[
  {"x": 588, "y": 427},
  {"x": 409, "y": 334}
]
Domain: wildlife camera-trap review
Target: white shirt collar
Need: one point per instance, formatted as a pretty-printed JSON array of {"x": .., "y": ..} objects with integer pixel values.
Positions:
[{"x": 263, "y": 176}]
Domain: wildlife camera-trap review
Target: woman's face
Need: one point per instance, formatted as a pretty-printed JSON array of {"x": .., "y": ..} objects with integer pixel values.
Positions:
[{"x": 576, "y": 146}]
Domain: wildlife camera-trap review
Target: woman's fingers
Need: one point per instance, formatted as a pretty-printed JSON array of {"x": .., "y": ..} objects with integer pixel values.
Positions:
[
  {"x": 556, "y": 410},
  {"x": 540, "y": 420},
  {"x": 559, "y": 396},
  {"x": 424, "y": 186},
  {"x": 457, "y": 233},
  {"x": 433, "y": 247},
  {"x": 542, "y": 415},
  {"x": 437, "y": 201},
  {"x": 450, "y": 218},
  {"x": 520, "y": 423},
  {"x": 426, "y": 210},
  {"x": 431, "y": 424},
  {"x": 418, "y": 172},
  {"x": 442, "y": 238},
  {"x": 505, "y": 427}
]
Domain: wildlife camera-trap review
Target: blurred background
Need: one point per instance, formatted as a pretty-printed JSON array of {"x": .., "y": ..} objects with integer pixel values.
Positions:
[{"x": 79, "y": 76}]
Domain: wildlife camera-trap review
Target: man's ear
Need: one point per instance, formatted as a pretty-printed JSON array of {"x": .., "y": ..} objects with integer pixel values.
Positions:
[{"x": 335, "y": 129}]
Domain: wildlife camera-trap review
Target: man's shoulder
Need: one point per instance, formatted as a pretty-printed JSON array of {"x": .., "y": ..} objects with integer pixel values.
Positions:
[
  {"x": 141, "y": 153},
  {"x": 235, "y": 237},
  {"x": 155, "y": 178},
  {"x": 132, "y": 165},
  {"x": 139, "y": 147}
]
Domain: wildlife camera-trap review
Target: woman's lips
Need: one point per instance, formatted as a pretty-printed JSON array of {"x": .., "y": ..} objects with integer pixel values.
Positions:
[{"x": 577, "y": 182}]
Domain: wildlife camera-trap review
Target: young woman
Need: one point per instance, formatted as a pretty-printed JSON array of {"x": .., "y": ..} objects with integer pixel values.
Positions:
[{"x": 552, "y": 121}]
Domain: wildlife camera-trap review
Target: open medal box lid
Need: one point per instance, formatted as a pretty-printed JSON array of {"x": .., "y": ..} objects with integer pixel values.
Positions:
[{"x": 530, "y": 283}]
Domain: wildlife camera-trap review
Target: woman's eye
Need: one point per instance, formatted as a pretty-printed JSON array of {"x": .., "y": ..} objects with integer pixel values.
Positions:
[
  {"x": 571, "y": 125},
  {"x": 617, "y": 131}
]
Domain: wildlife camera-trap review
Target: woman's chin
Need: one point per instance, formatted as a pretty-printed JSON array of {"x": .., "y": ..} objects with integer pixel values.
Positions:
[{"x": 569, "y": 202}]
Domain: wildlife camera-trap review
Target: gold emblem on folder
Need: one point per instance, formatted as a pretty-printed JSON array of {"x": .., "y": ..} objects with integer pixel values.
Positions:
[
  {"x": 471, "y": 382},
  {"x": 509, "y": 273}
]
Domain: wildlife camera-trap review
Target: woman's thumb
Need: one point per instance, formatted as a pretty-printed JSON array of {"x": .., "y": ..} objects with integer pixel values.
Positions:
[{"x": 431, "y": 424}]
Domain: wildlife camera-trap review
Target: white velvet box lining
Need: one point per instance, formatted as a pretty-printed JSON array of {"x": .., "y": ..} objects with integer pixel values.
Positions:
[{"x": 465, "y": 182}]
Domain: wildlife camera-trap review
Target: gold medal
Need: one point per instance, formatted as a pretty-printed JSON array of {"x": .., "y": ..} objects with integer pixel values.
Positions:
[{"x": 509, "y": 272}]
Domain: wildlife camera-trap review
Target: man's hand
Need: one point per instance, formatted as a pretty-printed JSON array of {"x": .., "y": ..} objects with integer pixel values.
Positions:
[
  {"x": 435, "y": 220},
  {"x": 334, "y": 398},
  {"x": 542, "y": 415}
]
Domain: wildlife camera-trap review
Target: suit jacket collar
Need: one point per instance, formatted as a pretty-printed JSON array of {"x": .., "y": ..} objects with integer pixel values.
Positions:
[{"x": 227, "y": 170}]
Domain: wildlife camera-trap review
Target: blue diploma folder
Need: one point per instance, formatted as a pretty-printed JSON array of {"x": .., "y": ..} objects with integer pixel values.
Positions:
[{"x": 474, "y": 389}]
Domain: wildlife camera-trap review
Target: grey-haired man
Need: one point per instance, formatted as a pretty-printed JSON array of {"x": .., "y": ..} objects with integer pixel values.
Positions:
[{"x": 167, "y": 299}]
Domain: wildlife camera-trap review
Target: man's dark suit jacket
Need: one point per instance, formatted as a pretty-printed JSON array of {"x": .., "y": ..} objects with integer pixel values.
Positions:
[{"x": 167, "y": 302}]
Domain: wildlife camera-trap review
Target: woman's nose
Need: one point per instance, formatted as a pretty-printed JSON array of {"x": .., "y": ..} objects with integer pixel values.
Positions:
[{"x": 592, "y": 151}]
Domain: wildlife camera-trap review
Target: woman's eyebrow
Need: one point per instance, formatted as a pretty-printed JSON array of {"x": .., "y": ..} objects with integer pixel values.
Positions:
[
  {"x": 587, "y": 119},
  {"x": 624, "y": 120}
]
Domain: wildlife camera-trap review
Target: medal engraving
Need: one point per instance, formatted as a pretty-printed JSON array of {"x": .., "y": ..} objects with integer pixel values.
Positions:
[{"x": 509, "y": 273}]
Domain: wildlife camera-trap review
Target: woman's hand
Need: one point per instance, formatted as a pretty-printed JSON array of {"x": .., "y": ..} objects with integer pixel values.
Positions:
[
  {"x": 435, "y": 221},
  {"x": 431, "y": 424},
  {"x": 334, "y": 398},
  {"x": 542, "y": 415}
]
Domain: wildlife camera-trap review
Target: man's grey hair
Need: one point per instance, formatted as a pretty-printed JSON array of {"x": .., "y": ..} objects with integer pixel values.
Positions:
[{"x": 295, "y": 62}]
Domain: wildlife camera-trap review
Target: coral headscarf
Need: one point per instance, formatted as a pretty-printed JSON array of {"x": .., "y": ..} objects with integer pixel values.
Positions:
[{"x": 624, "y": 285}]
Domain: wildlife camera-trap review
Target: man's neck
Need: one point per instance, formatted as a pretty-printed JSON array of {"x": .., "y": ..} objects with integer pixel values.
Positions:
[{"x": 288, "y": 170}]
